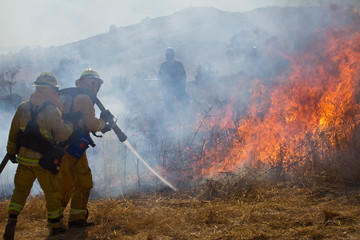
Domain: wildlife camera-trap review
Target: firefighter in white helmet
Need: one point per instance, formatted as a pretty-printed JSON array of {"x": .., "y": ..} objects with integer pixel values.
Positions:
[
  {"x": 75, "y": 174},
  {"x": 35, "y": 128}
]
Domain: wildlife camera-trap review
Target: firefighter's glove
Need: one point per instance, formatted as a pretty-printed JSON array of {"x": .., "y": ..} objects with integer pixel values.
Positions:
[
  {"x": 107, "y": 116},
  {"x": 12, "y": 158},
  {"x": 107, "y": 127}
]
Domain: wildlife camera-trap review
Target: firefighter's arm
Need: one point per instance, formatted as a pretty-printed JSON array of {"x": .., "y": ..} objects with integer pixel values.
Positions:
[
  {"x": 13, "y": 134},
  {"x": 181, "y": 70},
  {"x": 162, "y": 72},
  {"x": 84, "y": 104},
  {"x": 61, "y": 130}
]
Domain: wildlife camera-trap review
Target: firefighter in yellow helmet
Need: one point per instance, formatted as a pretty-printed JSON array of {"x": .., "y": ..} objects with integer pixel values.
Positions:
[
  {"x": 35, "y": 129},
  {"x": 75, "y": 174}
]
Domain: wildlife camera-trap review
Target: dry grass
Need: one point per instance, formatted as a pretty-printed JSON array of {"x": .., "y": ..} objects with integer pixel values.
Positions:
[{"x": 257, "y": 212}]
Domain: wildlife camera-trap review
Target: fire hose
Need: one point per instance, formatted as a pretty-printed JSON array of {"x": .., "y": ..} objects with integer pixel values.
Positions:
[
  {"x": 120, "y": 134},
  {"x": 4, "y": 162},
  {"x": 123, "y": 138}
]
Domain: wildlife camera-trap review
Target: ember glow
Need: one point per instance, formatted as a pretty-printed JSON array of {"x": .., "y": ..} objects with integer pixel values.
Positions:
[{"x": 303, "y": 116}]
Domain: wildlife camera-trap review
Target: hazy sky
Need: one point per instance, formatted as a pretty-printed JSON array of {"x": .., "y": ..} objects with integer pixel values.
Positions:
[{"x": 57, "y": 22}]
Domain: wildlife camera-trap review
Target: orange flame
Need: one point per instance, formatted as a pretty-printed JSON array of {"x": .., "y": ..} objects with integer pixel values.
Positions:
[{"x": 312, "y": 106}]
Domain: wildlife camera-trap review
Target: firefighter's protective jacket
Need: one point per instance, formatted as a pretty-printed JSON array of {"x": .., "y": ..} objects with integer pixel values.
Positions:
[
  {"x": 172, "y": 74},
  {"x": 50, "y": 122},
  {"x": 82, "y": 103}
]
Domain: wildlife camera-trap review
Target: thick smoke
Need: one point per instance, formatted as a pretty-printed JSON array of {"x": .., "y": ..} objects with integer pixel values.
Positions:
[
  {"x": 6, "y": 177},
  {"x": 223, "y": 54}
]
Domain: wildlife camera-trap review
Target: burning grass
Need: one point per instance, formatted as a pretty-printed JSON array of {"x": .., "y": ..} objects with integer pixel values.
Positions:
[
  {"x": 304, "y": 121},
  {"x": 227, "y": 208}
]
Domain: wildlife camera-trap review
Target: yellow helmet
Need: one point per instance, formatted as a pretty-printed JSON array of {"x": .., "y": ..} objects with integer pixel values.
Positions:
[
  {"x": 91, "y": 74},
  {"x": 46, "y": 79}
]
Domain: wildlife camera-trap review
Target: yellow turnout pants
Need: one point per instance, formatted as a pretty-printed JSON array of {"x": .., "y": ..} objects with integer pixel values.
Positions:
[
  {"x": 76, "y": 183},
  {"x": 50, "y": 184}
]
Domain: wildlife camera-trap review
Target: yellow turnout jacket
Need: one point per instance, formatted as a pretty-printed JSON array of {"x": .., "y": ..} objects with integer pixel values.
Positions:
[
  {"x": 82, "y": 103},
  {"x": 50, "y": 122}
]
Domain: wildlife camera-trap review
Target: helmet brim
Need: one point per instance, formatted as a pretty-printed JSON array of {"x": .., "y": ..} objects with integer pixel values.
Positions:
[
  {"x": 45, "y": 85},
  {"x": 98, "y": 79}
]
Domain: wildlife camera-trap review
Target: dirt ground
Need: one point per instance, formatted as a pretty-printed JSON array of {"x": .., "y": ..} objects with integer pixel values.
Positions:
[{"x": 275, "y": 211}]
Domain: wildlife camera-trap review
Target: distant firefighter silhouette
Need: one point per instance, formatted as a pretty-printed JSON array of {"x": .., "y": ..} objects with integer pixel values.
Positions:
[{"x": 172, "y": 78}]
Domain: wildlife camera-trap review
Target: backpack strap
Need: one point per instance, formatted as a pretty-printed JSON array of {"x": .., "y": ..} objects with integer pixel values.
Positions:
[
  {"x": 74, "y": 117},
  {"x": 31, "y": 137},
  {"x": 69, "y": 95},
  {"x": 34, "y": 111}
]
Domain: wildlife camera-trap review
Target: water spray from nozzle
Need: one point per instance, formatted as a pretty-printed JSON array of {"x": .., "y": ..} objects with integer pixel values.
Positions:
[
  {"x": 123, "y": 138},
  {"x": 126, "y": 142}
]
